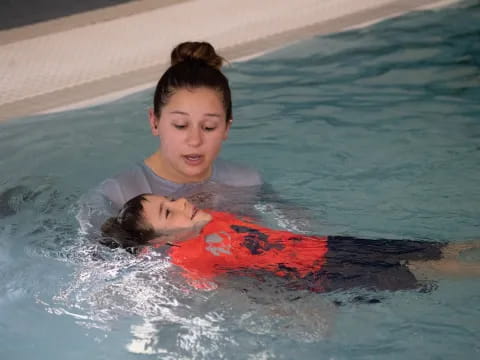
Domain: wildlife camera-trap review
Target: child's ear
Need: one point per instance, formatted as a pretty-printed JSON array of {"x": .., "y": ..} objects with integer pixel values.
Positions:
[
  {"x": 174, "y": 237},
  {"x": 161, "y": 241}
]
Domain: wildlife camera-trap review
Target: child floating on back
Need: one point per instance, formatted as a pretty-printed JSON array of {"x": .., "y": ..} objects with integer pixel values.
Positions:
[{"x": 206, "y": 244}]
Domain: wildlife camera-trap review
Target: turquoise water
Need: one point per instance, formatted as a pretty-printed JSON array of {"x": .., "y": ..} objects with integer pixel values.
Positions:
[{"x": 374, "y": 132}]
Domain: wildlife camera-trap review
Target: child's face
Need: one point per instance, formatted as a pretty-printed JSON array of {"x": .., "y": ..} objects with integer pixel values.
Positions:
[{"x": 165, "y": 215}]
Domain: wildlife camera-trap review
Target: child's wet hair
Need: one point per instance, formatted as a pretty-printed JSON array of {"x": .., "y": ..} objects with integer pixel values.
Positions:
[{"x": 128, "y": 230}]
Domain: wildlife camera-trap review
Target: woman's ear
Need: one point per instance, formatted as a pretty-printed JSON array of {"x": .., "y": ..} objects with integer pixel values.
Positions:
[
  {"x": 227, "y": 129},
  {"x": 153, "y": 120}
]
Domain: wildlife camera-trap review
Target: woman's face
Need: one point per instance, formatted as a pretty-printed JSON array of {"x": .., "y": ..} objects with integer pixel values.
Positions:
[
  {"x": 169, "y": 216},
  {"x": 191, "y": 127}
]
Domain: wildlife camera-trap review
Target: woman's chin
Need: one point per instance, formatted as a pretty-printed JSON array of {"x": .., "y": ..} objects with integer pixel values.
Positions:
[{"x": 196, "y": 173}]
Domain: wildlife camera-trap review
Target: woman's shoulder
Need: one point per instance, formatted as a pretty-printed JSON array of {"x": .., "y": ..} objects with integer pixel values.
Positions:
[
  {"x": 119, "y": 187},
  {"x": 125, "y": 177},
  {"x": 134, "y": 180},
  {"x": 234, "y": 174}
]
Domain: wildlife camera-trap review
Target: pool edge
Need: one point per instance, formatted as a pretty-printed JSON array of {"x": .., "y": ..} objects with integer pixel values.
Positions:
[{"x": 114, "y": 87}]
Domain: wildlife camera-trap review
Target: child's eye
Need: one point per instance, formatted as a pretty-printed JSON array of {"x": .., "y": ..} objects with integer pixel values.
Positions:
[
  {"x": 208, "y": 128},
  {"x": 167, "y": 212},
  {"x": 179, "y": 126}
]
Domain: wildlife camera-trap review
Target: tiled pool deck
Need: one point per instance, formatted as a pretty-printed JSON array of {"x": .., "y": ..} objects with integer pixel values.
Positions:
[{"x": 105, "y": 53}]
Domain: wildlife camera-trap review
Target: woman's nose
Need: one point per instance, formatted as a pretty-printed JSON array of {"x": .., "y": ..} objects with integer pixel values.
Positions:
[{"x": 194, "y": 136}]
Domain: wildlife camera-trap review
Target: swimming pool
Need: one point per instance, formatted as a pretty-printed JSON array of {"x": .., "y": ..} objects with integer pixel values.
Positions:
[{"x": 379, "y": 129}]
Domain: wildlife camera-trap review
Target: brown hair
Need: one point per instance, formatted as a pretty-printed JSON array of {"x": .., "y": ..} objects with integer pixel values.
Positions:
[{"x": 193, "y": 65}]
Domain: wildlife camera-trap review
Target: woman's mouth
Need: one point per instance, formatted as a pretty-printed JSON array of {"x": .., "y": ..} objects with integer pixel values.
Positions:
[{"x": 193, "y": 159}]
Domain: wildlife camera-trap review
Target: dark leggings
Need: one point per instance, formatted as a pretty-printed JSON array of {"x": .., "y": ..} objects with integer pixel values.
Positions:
[{"x": 371, "y": 264}]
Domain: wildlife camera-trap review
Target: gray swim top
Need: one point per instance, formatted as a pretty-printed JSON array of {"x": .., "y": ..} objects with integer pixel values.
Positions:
[
  {"x": 141, "y": 179},
  {"x": 107, "y": 199}
]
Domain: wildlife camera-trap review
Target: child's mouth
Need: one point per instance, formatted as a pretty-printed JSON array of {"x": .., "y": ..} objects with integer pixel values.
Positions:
[{"x": 195, "y": 211}]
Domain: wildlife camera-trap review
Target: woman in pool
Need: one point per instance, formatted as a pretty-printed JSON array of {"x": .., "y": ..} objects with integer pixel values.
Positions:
[
  {"x": 191, "y": 116},
  {"x": 207, "y": 244}
]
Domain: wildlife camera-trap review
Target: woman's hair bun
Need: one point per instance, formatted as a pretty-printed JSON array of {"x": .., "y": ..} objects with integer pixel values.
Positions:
[{"x": 200, "y": 51}]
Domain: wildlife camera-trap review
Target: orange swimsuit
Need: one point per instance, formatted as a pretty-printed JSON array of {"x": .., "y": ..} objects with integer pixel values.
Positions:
[{"x": 228, "y": 244}]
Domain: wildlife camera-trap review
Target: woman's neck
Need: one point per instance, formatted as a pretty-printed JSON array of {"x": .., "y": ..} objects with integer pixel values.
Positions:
[{"x": 163, "y": 169}]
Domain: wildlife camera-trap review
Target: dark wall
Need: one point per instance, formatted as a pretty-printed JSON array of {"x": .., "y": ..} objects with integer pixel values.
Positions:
[{"x": 14, "y": 13}]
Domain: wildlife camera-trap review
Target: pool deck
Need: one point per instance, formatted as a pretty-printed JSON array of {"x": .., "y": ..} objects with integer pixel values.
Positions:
[{"x": 105, "y": 53}]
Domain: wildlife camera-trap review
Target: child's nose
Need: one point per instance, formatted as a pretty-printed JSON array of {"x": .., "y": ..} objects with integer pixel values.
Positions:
[{"x": 180, "y": 203}]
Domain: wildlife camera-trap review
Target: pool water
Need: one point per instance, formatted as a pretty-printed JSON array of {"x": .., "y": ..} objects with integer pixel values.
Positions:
[{"x": 375, "y": 132}]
